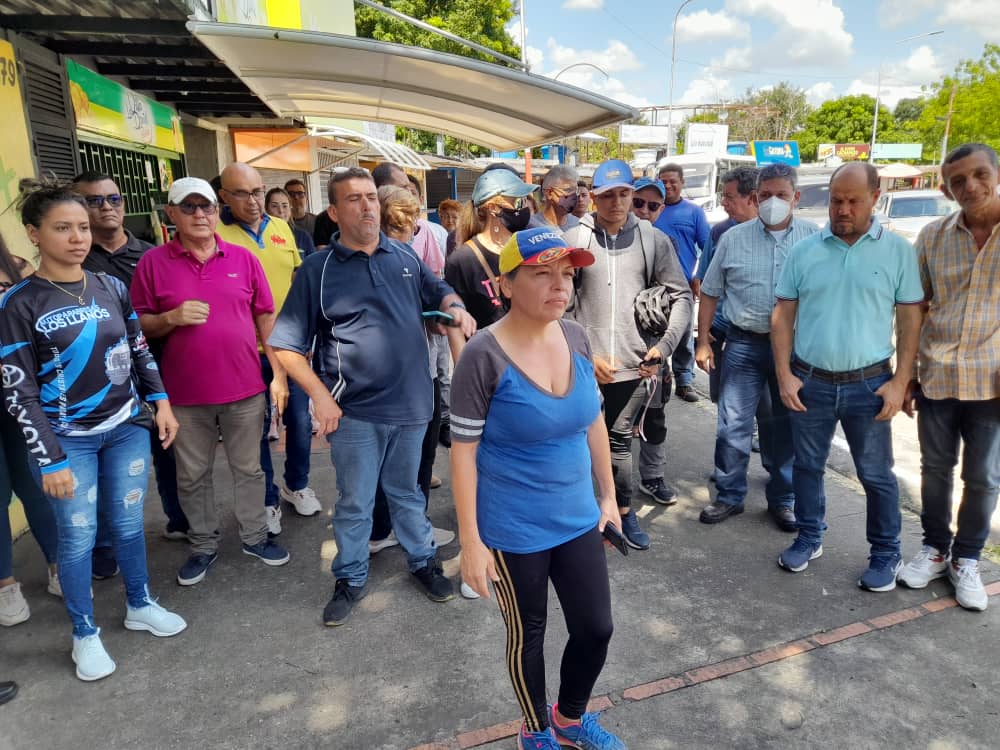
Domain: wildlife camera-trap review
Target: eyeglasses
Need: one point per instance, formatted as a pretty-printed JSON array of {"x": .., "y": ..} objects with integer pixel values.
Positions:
[
  {"x": 641, "y": 203},
  {"x": 96, "y": 201},
  {"x": 190, "y": 209},
  {"x": 297, "y": 193},
  {"x": 243, "y": 195}
]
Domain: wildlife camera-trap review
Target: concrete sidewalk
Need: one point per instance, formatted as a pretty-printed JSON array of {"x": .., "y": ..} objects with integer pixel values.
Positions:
[{"x": 714, "y": 647}]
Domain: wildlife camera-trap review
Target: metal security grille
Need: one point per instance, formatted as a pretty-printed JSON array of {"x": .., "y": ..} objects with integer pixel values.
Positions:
[
  {"x": 439, "y": 187},
  {"x": 465, "y": 181},
  {"x": 137, "y": 174}
]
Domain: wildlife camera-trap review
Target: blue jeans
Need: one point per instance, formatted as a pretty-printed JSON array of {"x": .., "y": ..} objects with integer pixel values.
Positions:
[
  {"x": 747, "y": 370},
  {"x": 16, "y": 476},
  {"x": 298, "y": 438},
  {"x": 366, "y": 455},
  {"x": 854, "y": 405},
  {"x": 110, "y": 472},
  {"x": 683, "y": 359},
  {"x": 941, "y": 424}
]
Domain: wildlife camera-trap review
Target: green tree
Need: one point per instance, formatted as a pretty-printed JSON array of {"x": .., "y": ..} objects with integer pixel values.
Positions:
[
  {"x": 771, "y": 114},
  {"x": 908, "y": 110},
  {"x": 975, "y": 111},
  {"x": 480, "y": 21},
  {"x": 844, "y": 120}
]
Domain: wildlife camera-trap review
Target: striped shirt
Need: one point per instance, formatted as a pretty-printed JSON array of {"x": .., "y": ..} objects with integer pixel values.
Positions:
[
  {"x": 960, "y": 339},
  {"x": 745, "y": 268}
]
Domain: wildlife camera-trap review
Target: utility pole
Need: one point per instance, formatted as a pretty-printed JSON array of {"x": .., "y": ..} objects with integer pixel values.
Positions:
[{"x": 947, "y": 123}]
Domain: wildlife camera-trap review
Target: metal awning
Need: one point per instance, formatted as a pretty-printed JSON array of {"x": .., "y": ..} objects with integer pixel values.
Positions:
[{"x": 303, "y": 74}]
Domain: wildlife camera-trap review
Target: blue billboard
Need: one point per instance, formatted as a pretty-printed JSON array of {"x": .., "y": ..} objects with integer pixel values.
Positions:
[{"x": 777, "y": 152}]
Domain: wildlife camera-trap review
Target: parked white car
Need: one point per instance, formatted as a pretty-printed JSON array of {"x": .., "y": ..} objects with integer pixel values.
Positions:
[{"x": 906, "y": 212}]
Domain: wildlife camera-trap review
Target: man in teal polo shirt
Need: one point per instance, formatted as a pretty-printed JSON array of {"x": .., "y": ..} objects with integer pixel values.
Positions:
[{"x": 838, "y": 293}]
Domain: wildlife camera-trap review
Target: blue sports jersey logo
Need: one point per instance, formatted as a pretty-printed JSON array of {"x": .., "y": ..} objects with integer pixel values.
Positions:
[{"x": 65, "y": 317}]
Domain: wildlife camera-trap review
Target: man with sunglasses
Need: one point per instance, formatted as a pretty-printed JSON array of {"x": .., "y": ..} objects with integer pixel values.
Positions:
[
  {"x": 244, "y": 222},
  {"x": 209, "y": 302},
  {"x": 114, "y": 250},
  {"x": 299, "y": 199}
]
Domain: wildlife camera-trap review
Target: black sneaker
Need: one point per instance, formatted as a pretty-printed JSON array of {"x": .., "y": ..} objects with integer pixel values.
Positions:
[
  {"x": 658, "y": 490},
  {"x": 341, "y": 604},
  {"x": 195, "y": 568},
  {"x": 436, "y": 586},
  {"x": 103, "y": 564},
  {"x": 686, "y": 393}
]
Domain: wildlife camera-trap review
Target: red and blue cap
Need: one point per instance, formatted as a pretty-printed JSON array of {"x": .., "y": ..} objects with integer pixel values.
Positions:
[{"x": 536, "y": 247}]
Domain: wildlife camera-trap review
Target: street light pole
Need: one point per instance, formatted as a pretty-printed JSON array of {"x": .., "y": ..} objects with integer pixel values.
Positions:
[
  {"x": 673, "y": 61},
  {"x": 878, "y": 86}
]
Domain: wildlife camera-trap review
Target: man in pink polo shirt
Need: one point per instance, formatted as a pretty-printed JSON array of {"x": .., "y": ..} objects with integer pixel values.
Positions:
[{"x": 208, "y": 300}]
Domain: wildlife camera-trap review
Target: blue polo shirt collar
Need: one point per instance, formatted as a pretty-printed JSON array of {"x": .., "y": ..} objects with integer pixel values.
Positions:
[
  {"x": 342, "y": 253},
  {"x": 227, "y": 218},
  {"x": 874, "y": 231}
]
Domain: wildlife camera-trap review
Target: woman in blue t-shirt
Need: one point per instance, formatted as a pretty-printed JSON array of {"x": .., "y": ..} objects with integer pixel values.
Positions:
[
  {"x": 527, "y": 438},
  {"x": 75, "y": 363}
]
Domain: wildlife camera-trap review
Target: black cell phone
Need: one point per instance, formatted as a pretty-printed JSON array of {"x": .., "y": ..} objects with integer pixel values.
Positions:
[
  {"x": 613, "y": 535},
  {"x": 440, "y": 317},
  {"x": 651, "y": 361}
]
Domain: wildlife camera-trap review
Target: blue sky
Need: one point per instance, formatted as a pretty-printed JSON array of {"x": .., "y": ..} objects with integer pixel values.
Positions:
[{"x": 828, "y": 47}]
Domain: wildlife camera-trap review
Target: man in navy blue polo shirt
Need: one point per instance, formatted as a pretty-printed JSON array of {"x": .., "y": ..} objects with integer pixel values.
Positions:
[{"x": 363, "y": 300}]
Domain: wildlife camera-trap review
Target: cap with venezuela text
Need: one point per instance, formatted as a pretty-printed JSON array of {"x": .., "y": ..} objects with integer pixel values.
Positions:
[{"x": 536, "y": 247}]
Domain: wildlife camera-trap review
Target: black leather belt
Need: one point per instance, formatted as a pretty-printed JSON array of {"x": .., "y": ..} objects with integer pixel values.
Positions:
[
  {"x": 847, "y": 376},
  {"x": 744, "y": 333}
]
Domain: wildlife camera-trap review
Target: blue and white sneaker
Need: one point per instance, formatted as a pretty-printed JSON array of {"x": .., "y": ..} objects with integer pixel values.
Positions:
[
  {"x": 193, "y": 571},
  {"x": 543, "y": 740},
  {"x": 154, "y": 619},
  {"x": 796, "y": 558},
  {"x": 587, "y": 735},
  {"x": 268, "y": 552},
  {"x": 881, "y": 572},
  {"x": 92, "y": 661},
  {"x": 634, "y": 535}
]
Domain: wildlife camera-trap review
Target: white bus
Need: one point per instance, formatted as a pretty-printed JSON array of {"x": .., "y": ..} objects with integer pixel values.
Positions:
[{"x": 702, "y": 173}]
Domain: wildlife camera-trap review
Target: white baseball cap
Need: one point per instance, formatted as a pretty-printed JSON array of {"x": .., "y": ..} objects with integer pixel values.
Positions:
[{"x": 185, "y": 186}]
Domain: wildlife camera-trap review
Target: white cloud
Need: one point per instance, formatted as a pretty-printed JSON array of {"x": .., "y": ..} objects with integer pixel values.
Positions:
[
  {"x": 583, "y": 4},
  {"x": 820, "y": 92},
  {"x": 617, "y": 57},
  {"x": 808, "y": 32},
  {"x": 535, "y": 57},
  {"x": 982, "y": 17},
  {"x": 735, "y": 60},
  {"x": 704, "y": 25},
  {"x": 707, "y": 89},
  {"x": 901, "y": 79},
  {"x": 893, "y": 13}
]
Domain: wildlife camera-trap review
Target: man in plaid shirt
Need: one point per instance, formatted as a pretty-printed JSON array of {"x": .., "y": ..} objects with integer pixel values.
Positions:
[{"x": 958, "y": 393}]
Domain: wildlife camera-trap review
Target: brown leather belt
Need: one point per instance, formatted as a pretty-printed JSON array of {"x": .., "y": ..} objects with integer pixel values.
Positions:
[{"x": 847, "y": 376}]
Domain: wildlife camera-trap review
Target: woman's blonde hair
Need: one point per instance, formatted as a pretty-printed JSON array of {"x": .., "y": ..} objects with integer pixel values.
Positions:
[
  {"x": 474, "y": 219},
  {"x": 399, "y": 209}
]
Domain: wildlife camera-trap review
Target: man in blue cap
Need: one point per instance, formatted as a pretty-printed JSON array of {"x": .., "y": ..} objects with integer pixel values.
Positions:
[{"x": 630, "y": 256}]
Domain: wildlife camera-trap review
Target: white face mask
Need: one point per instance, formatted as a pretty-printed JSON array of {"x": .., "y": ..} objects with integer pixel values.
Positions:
[{"x": 774, "y": 210}]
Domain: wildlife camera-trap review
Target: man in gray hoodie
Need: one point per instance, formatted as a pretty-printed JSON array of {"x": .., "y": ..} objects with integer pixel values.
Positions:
[{"x": 630, "y": 257}]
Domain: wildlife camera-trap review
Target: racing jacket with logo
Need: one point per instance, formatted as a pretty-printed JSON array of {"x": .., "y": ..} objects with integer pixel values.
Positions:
[{"x": 71, "y": 369}]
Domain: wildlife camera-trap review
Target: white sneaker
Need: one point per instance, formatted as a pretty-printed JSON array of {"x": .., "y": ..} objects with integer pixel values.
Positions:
[
  {"x": 443, "y": 536},
  {"x": 92, "y": 661},
  {"x": 381, "y": 544},
  {"x": 304, "y": 501},
  {"x": 467, "y": 591},
  {"x": 969, "y": 590},
  {"x": 13, "y": 606},
  {"x": 154, "y": 619},
  {"x": 54, "y": 587},
  {"x": 273, "y": 519},
  {"x": 926, "y": 566}
]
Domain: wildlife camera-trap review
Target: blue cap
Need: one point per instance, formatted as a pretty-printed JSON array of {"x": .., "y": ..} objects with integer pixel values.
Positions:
[
  {"x": 613, "y": 173},
  {"x": 499, "y": 182},
  {"x": 644, "y": 182},
  {"x": 536, "y": 247}
]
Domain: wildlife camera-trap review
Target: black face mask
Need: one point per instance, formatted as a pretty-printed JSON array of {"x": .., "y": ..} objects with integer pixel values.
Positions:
[{"x": 515, "y": 221}]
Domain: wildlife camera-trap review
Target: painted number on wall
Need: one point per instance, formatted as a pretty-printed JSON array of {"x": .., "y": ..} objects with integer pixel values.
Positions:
[{"x": 8, "y": 72}]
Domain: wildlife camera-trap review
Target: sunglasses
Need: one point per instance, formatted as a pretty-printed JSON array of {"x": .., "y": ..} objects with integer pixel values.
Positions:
[
  {"x": 642, "y": 203},
  {"x": 243, "y": 195},
  {"x": 190, "y": 209},
  {"x": 297, "y": 193},
  {"x": 96, "y": 201}
]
